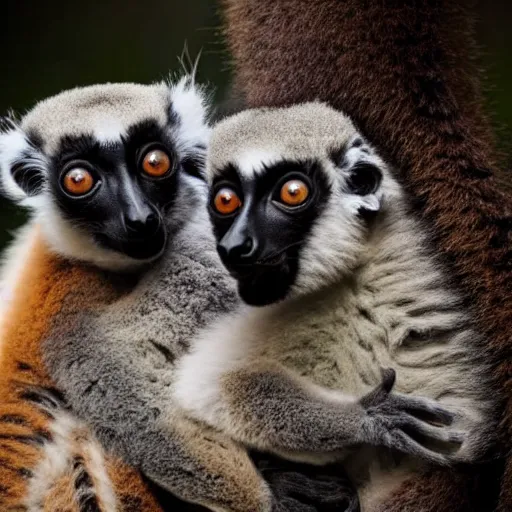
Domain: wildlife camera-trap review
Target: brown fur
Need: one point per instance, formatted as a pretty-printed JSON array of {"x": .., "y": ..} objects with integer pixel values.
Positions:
[
  {"x": 46, "y": 283},
  {"x": 404, "y": 72}
]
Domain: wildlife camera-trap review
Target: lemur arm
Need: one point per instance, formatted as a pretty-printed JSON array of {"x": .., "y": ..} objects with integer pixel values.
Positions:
[
  {"x": 190, "y": 460},
  {"x": 265, "y": 405}
]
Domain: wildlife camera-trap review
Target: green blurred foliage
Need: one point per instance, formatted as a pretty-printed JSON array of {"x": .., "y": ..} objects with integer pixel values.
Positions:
[{"x": 52, "y": 45}]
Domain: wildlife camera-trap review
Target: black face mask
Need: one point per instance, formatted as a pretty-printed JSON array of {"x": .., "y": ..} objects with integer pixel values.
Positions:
[
  {"x": 119, "y": 192},
  {"x": 262, "y": 223}
]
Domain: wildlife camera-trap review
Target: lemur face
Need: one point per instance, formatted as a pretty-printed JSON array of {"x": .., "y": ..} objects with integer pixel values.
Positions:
[
  {"x": 262, "y": 223},
  {"x": 102, "y": 163},
  {"x": 117, "y": 192},
  {"x": 292, "y": 193}
]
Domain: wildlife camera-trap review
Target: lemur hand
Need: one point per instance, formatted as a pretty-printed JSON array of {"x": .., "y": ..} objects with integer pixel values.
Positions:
[
  {"x": 413, "y": 425},
  {"x": 307, "y": 488}
]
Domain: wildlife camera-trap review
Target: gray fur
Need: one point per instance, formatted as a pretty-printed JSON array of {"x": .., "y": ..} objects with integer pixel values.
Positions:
[
  {"x": 298, "y": 378},
  {"x": 116, "y": 365},
  {"x": 114, "y": 346},
  {"x": 100, "y": 110}
]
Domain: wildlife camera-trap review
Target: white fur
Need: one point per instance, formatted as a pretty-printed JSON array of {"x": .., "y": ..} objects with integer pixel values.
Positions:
[
  {"x": 72, "y": 242},
  {"x": 190, "y": 102},
  {"x": 70, "y": 437},
  {"x": 252, "y": 162},
  {"x": 56, "y": 460},
  {"x": 200, "y": 390},
  {"x": 102, "y": 484},
  {"x": 12, "y": 145},
  {"x": 107, "y": 129},
  {"x": 15, "y": 147}
]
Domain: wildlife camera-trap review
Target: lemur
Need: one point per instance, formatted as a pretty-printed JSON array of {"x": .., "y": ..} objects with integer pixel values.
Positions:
[
  {"x": 112, "y": 275},
  {"x": 410, "y": 77},
  {"x": 339, "y": 282}
]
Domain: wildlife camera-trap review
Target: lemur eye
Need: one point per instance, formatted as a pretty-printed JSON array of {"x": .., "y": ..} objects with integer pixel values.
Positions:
[
  {"x": 226, "y": 201},
  {"x": 294, "y": 193},
  {"x": 78, "y": 181},
  {"x": 156, "y": 163}
]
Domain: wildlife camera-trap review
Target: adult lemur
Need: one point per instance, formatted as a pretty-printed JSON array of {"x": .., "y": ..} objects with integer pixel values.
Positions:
[
  {"x": 311, "y": 223},
  {"x": 87, "y": 354}
]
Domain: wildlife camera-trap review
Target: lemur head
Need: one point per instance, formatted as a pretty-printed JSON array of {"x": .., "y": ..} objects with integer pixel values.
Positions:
[
  {"x": 292, "y": 193},
  {"x": 100, "y": 166}
]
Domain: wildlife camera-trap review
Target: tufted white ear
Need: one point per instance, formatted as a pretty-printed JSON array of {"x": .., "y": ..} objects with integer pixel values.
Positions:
[
  {"x": 362, "y": 172},
  {"x": 190, "y": 105},
  {"x": 23, "y": 167}
]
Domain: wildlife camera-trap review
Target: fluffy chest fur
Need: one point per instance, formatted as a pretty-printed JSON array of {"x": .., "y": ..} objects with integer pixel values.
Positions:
[
  {"x": 148, "y": 330},
  {"x": 394, "y": 311}
]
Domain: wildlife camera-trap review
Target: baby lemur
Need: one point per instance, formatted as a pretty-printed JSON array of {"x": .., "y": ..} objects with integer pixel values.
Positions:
[
  {"x": 314, "y": 227},
  {"x": 87, "y": 353}
]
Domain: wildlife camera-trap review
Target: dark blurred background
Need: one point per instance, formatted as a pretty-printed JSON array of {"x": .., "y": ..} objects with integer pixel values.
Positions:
[{"x": 51, "y": 45}]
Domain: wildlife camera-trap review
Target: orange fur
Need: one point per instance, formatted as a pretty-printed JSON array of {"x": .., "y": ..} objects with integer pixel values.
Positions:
[{"x": 25, "y": 426}]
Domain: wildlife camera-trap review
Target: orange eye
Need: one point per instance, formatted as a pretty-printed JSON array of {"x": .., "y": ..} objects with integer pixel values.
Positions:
[
  {"x": 156, "y": 163},
  {"x": 294, "y": 193},
  {"x": 78, "y": 181},
  {"x": 226, "y": 201}
]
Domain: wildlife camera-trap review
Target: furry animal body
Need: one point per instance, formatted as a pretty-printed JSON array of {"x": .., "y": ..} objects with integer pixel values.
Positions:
[
  {"x": 363, "y": 292},
  {"x": 408, "y": 76},
  {"x": 50, "y": 458},
  {"x": 87, "y": 352}
]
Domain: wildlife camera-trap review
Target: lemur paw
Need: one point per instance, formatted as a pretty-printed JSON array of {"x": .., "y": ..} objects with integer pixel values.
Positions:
[
  {"x": 307, "y": 488},
  {"x": 413, "y": 425}
]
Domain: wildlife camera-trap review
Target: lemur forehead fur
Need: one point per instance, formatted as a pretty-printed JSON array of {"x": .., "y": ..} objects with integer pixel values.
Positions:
[
  {"x": 263, "y": 136},
  {"x": 104, "y": 111}
]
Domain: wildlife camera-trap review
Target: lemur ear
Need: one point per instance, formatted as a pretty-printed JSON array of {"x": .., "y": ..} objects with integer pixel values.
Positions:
[
  {"x": 23, "y": 167},
  {"x": 364, "y": 178},
  {"x": 189, "y": 116},
  {"x": 363, "y": 175},
  {"x": 364, "y": 181}
]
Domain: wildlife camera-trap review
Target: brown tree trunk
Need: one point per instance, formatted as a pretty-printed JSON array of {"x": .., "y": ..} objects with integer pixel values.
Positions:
[{"x": 403, "y": 71}]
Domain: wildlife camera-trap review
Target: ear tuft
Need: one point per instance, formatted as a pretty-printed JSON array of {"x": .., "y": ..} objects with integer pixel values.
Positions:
[
  {"x": 190, "y": 109},
  {"x": 189, "y": 117},
  {"x": 22, "y": 165}
]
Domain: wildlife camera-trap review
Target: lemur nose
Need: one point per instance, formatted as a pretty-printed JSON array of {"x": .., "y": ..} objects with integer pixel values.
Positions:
[
  {"x": 146, "y": 224},
  {"x": 233, "y": 251}
]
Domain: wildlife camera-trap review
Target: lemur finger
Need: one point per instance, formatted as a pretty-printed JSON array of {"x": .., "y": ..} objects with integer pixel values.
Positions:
[
  {"x": 427, "y": 409},
  {"x": 381, "y": 392},
  {"x": 388, "y": 379},
  {"x": 430, "y": 431},
  {"x": 403, "y": 442}
]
